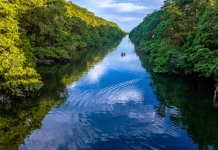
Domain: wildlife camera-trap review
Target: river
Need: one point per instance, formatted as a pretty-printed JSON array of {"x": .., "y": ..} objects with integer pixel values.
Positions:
[{"x": 102, "y": 100}]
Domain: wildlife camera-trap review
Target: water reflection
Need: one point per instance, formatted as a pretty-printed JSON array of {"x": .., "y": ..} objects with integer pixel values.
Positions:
[
  {"x": 188, "y": 103},
  {"x": 100, "y": 100},
  {"x": 21, "y": 117},
  {"x": 111, "y": 107}
]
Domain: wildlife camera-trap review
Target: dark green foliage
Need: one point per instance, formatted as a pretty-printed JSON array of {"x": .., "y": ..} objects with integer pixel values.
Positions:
[
  {"x": 44, "y": 29},
  {"x": 181, "y": 37}
]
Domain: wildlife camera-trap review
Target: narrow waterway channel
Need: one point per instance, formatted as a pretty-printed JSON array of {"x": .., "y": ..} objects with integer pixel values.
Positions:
[{"x": 103, "y": 100}]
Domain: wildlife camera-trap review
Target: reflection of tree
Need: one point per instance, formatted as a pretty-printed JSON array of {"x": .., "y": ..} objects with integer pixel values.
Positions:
[
  {"x": 192, "y": 101},
  {"x": 85, "y": 60},
  {"x": 22, "y": 116}
]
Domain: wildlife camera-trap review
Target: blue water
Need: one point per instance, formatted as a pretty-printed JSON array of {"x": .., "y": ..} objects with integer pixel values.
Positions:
[{"x": 114, "y": 105}]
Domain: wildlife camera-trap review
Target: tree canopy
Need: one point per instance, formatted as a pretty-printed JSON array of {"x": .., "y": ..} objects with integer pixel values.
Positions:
[
  {"x": 181, "y": 37},
  {"x": 44, "y": 29}
]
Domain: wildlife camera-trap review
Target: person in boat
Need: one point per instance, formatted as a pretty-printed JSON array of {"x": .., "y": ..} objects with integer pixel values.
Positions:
[{"x": 122, "y": 54}]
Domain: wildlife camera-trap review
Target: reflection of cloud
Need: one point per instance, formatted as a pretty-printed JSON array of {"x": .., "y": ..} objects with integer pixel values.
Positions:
[
  {"x": 124, "y": 96},
  {"x": 72, "y": 85},
  {"x": 80, "y": 128},
  {"x": 97, "y": 114},
  {"x": 95, "y": 73}
]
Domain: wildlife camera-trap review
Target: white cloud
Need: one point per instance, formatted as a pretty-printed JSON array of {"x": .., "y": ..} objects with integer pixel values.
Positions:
[
  {"x": 125, "y": 7},
  {"x": 121, "y": 18},
  {"x": 127, "y": 19},
  {"x": 120, "y": 11},
  {"x": 122, "y": 7}
]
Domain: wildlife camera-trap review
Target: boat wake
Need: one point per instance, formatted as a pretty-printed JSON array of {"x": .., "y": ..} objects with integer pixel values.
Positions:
[{"x": 119, "y": 93}]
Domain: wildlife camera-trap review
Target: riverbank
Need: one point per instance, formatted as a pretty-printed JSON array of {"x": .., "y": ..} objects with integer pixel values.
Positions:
[
  {"x": 174, "y": 73},
  {"x": 112, "y": 102},
  {"x": 58, "y": 74},
  {"x": 177, "y": 72},
  {"x": 50, "y": 60},
  {"x": 178, "y": 41},
  {"x": 47, "y": 31}
]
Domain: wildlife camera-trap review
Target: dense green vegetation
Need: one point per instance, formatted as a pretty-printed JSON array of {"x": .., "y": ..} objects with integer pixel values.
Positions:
[
  {"x": 20, "y": 117},
  {"x": 44, "y": 29},
  {"x": 181, "y": 37}
]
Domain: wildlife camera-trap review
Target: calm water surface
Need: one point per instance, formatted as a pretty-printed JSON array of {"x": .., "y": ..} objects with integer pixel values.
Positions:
[{"x": 100, "y": 100}]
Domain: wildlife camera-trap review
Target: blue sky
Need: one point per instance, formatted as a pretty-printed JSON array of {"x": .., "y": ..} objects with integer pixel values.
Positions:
[{"x": 126, "y": 13}]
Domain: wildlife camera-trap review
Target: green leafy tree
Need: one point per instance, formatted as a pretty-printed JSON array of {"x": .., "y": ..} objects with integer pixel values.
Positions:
[
  {"x": 16, "y": 71},
  {"x": 181, "y": 37},
  {"x": 46, "y": 30}
]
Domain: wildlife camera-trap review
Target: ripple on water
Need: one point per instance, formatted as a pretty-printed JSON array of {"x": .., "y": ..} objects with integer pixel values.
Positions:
[
  {"x": 138, "y": 124},
  {"x": 119, "y": 93},
  {"x": 120, "y": 116}
]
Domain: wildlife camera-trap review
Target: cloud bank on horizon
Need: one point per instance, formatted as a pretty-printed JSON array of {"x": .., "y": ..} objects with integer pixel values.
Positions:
[{"x": 127, "y": 14}]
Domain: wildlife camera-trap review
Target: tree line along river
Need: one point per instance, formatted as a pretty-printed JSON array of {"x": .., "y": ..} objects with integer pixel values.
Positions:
[{"x": 101, "y": 99}]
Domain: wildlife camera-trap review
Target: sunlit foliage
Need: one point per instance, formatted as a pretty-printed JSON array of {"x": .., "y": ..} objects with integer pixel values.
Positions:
[
  {"x": 44, "y": 29},
  {"x": 15, "y": 68}
]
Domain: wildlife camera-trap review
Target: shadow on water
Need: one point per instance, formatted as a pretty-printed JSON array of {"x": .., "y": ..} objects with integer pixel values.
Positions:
[
  {"x": 20, "y": 117},
  {"x": 187, "y": 102},
  {"x": 127, "y": 108}
]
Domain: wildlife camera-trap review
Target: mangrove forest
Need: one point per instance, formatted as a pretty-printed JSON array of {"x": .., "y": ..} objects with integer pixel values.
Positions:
[{"x": 181, "y": 38}]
